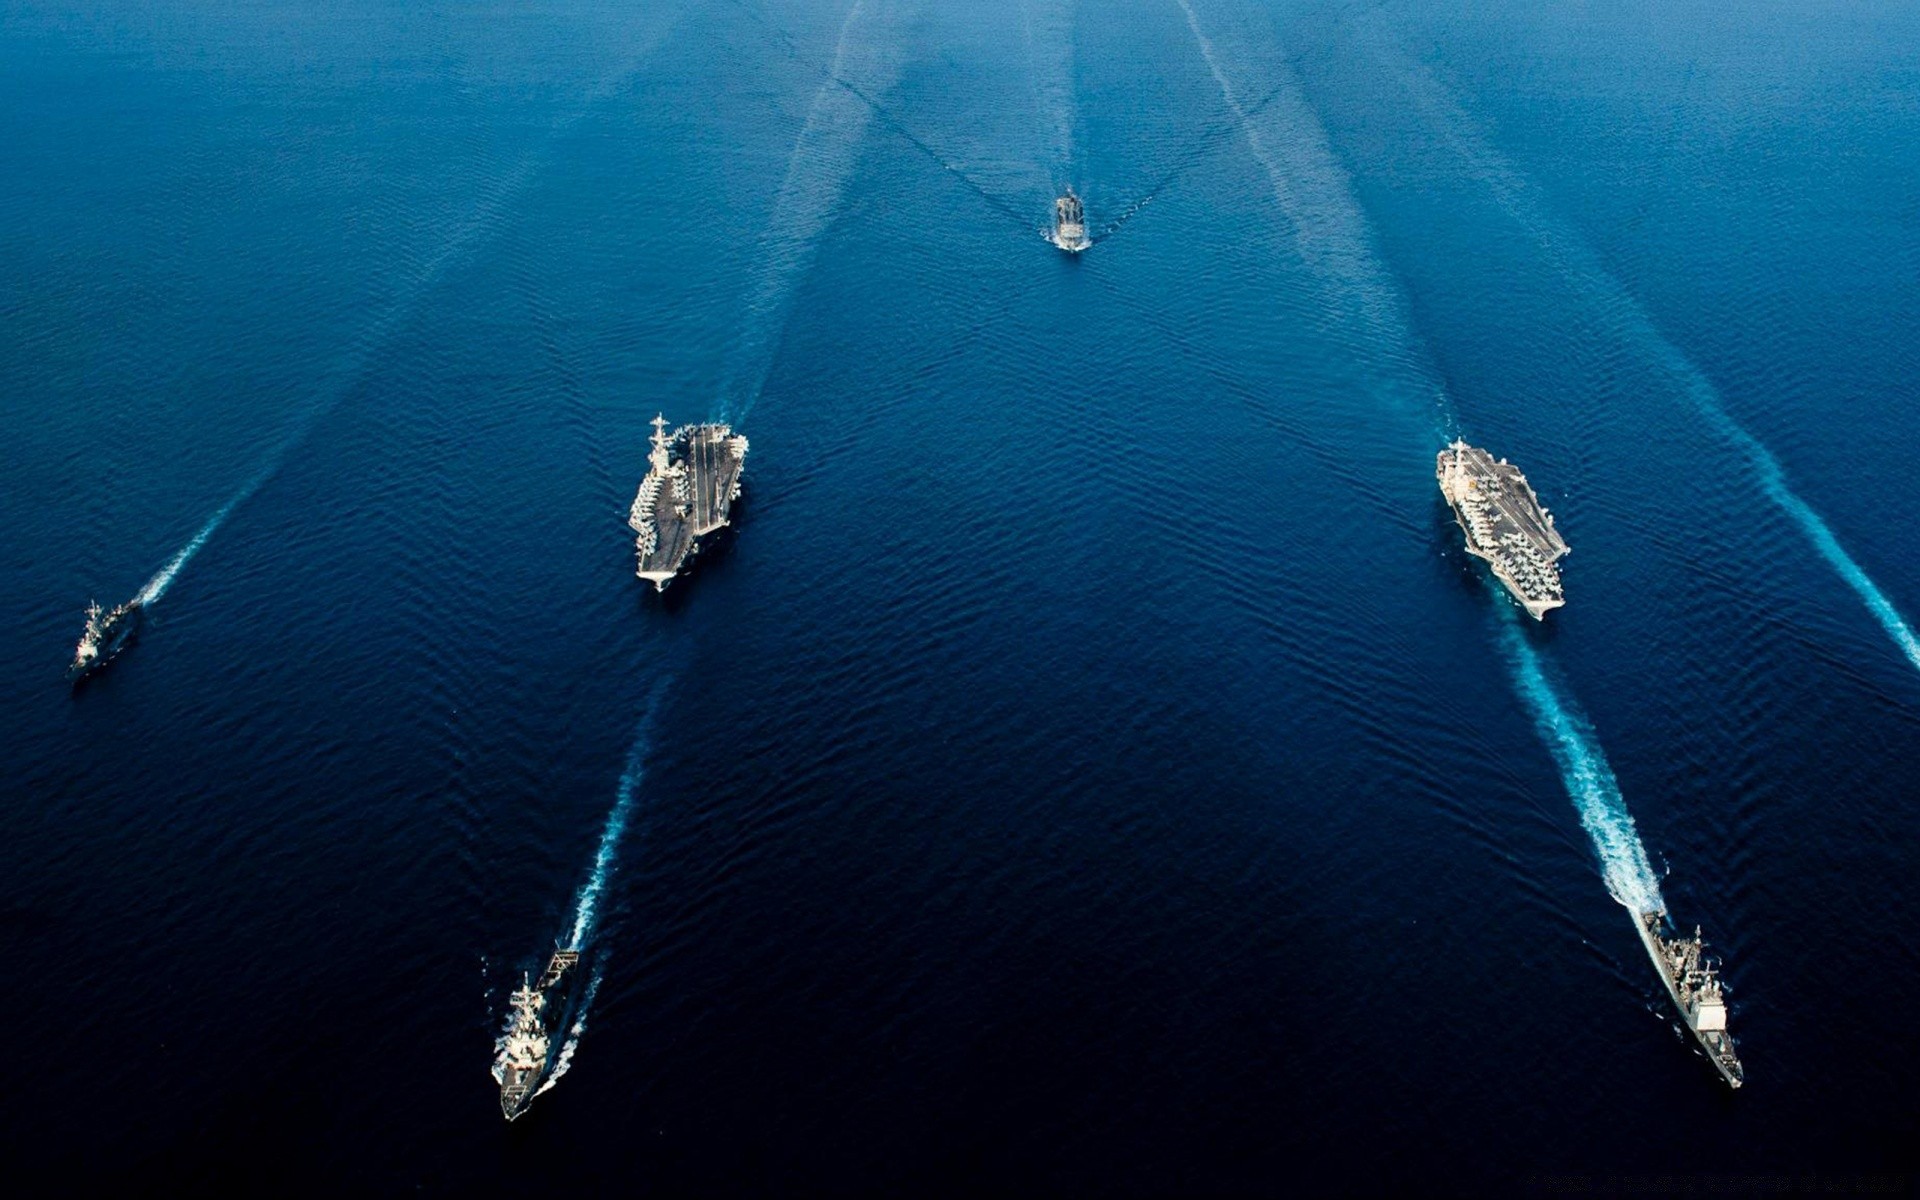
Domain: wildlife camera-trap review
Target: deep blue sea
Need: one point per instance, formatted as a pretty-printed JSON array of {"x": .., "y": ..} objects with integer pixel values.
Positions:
[{"x": 1091, "y": 764}]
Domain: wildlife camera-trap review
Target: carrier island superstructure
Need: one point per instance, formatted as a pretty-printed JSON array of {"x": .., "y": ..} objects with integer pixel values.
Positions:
[
  {"x": 693, "y": 478},
  {"x": 536, "y": 1017},
  {"x": 1694, "y": 984},
  {"x": 1505, "y": 524}
]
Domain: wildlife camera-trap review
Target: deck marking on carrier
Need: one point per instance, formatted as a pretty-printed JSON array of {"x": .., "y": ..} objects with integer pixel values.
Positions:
[{"x": 1525, "y": 202}]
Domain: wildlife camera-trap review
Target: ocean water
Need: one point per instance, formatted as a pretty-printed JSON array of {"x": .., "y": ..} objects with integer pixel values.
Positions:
[{"x": 1091, "y": 765}]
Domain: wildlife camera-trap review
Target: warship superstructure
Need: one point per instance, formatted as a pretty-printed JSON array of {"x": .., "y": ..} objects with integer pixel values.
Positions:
[
  {"x": 1694, "y": 984},
  {"x": 525, "y": 1052},
  {"x": 1505, "y": 524},
  {"x": 693, "y": 478},
  {"x": 107, "y": 633},
  {"x": 1070, "y": 224}
]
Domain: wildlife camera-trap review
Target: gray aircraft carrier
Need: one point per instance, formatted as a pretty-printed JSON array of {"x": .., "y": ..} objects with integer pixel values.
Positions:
[
  {"x": 1505, "y": 524},
  {"x": 693, "y": 478}
]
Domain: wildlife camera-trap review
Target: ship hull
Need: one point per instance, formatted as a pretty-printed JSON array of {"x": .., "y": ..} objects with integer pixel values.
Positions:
[
  {"x": 694, "y": 479},
  {"x": 1503, "y": 525},
  {"x": 1644, "y": 927},
  {"x": 520, "y": 1084},
  {"x": 117, "y": 639}
]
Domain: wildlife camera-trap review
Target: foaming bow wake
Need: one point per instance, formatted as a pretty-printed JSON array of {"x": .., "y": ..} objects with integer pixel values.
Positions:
[{"x": 547, "y": 1017}]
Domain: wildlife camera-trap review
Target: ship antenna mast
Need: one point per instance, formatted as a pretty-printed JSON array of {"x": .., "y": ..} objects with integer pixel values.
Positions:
[{"x": 659, "y": 456}]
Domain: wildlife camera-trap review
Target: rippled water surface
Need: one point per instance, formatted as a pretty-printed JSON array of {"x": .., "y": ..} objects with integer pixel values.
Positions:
[{"x": 1091, "y": 764}]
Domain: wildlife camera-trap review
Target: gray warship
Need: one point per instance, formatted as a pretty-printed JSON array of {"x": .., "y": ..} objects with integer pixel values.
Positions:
[
  {"x": 1693, "y": 983},
  {"x": 108, "y": 632},
  {"x": 693, "y": 478},
  {"x": 525, "y": 1053},
  {"x": 1505, "y": 524},
  {"x": 1070, "y": 224}
]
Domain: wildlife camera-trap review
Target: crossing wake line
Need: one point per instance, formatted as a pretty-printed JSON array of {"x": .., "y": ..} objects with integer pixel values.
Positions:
[
  {"x": 1330, "y": 230},
  {"x": 822, "y": 161},
  {"x": 1219, "y": 133},
  {"x": 1523, "y": 201}
]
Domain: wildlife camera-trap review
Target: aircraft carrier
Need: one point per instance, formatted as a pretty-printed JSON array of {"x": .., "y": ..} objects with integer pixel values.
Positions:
[
  {"x": 525, "y": 1053},
  {"x": 1695, "y": 987},
  {"x": 693, "y": 478},
  {"x": 1070, "y": 224},
  {"x": 1505, "y": 524},
  {"x": 108, "y": 632}
]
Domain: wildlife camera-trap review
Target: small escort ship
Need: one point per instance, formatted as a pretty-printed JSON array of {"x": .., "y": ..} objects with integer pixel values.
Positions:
[
  {"x": 1695, "y": 987},
  {"x": 526, "y": 1051},
  {"x": 693, "y": 478},
  {"x": 108, "y": 632},
  {"x": 1505, "y": 524},
  {"x": 1070, "y": 224}
]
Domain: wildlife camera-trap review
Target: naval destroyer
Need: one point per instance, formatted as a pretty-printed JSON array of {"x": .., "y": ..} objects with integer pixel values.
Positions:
[
  {"x": 693, "y": 478},
  {"x": 1693, "y": 983},
  {"x": 537, "y": 1017},
  {"x": 108, "y": 632},
  {"x": 1505, "y": 524},
  {"x": 1070, "y": 224}
]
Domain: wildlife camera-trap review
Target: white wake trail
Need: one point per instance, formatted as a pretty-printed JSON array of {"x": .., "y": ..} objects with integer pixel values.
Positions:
[
  {"x": 1589, "y": 780},
  {"x": 823, "y": 159},
  {"x": 586, "y": 904},
  {"x": 1331, "y": 231},
  {"x": 1049, "y": 36},
  {"x": 163, "y": 578},
  {"x": 494, "y": 206},
  {"x": 1523, "y": 201}
]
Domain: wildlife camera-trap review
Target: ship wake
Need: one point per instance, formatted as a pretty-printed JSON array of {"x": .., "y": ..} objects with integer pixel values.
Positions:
[
  {"x": 1329, "y": 229},
  {"x": 163, "y": 578},
  {"x": 564, "y": 1062},
  {"x": 1048, "y": 29},
  {"x": 585, "y": 917},
  {"x": 488, "y": 216},
  {"x": 1524, "y": 202},
  {"x": 1589, "y": 780},
  {"x": 586, "y": 903},
  {"x": 823, "y": 159}
]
